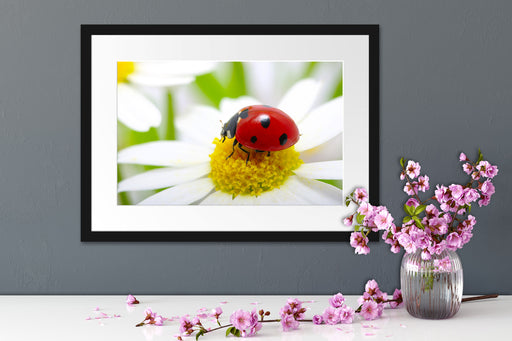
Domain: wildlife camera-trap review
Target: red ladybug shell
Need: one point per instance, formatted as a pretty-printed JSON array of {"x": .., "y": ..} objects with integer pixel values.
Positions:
[{"x": 265, "y": 128}]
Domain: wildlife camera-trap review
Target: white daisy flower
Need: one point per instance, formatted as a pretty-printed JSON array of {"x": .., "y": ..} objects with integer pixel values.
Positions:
[
  {"x": 134, "y": 108},
  {"x": 196, "y": 170}
]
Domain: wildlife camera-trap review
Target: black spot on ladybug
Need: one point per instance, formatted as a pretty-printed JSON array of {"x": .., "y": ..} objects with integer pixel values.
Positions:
[
  {"x": 265, "y": 121},
  {"x": 282, "y": 139},
  {"x": 244, "y": 113},
  {"x": 254, "y": 139}
]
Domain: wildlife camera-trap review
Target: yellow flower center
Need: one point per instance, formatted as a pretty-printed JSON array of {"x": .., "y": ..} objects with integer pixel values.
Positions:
[
  {"x": 123, "y": 70},
  {"x": 262, "y": 173}
]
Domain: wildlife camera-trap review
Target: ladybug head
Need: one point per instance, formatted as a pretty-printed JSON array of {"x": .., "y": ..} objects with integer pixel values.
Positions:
[{"x": 229, "y": 129}]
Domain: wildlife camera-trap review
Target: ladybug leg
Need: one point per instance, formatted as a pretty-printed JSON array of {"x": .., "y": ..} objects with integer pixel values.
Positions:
[
  {"x": 235, "y": 142},
  {"x": 245, "y": 151}
]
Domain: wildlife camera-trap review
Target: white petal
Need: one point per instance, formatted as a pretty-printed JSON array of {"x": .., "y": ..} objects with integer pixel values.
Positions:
[
  {"x": 280, "y": 196},
  {"x": 199, "y": 125},
  {"x": 313, "y": 191},
  {"x": 163, "y": 177},
  {"x": 274, "y": 197},
  {"x": 230, "y": 106},
  {"x": 262, "y": 77},
  {"x": 327, "y": 151},
  {"x": 136, "y": 111},
  {"x": 165, "y": 153},
  {"x": 332, "y": 170},
  {"x": 321, "y": 125},
  {"x": 298, "y": 101},
  {"x": 183, "y": 194}
]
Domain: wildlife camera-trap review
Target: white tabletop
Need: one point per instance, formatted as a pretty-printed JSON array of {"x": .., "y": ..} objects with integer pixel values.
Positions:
[{"x": 97, "y": 318}]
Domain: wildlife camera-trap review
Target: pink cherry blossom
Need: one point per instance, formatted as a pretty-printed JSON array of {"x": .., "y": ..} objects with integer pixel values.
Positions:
[
  {"x": 289, "y": 323},
  {"x": 423, "y": 183},
  {"x": 467, "y": 168},
  {"x": 317, "y": 319},
  {"x": 463, "y": 157},
  {"x": 398, "y": 300},
  {"x": 331, "y": 315},
  {"x": 413, "y": 202},
  {"x": 442, "y": 265},
  {"x": 371, "y": 287},
  {"x": 407, "y": 243},
  {"x": 361, "y": 195},
  {"x": 348, "y": 220},
  {"x": 487, "y": 188},
  {"x": 470, "y": 195},
  {"x": 346, "y": 314},
  {"x": 383, "y": 220},
  {"x": 337, "y": 300},
  {"x": 365, "y": 208},
  {"x": 131, "y": 300},
  {"x": 413, "y": 169},
  {"x": 491, "y": 171},
  {"x": 186, "y": 326},
  {"x": 411, "y": 188},
  {"x": 360, "y": 243},
  {"x": 370, "y": 310},
  {"x": 453, "y": 241}
]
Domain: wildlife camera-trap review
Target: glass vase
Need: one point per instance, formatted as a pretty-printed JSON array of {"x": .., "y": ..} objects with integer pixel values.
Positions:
[{"x": 432, "y": 289}]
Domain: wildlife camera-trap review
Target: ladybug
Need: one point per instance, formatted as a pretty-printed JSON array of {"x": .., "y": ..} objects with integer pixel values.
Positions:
[{"x": 262, "y": 128}]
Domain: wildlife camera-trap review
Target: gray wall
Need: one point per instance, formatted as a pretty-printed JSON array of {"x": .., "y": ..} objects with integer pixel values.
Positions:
[{"x": 446, "y": 86}]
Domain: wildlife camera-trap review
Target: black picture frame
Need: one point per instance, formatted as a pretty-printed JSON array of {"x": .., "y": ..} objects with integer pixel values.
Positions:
[{"x": 89, "y": 234}]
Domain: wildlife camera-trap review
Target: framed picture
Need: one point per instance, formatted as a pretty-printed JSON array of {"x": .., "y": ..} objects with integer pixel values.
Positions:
[{"x": 226, "y": 132}]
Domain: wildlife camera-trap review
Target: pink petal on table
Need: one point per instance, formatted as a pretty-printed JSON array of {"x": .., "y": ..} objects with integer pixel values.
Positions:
[
  {"x": 224, "y": 302},
  {"x": 88, "y": 318},
  {"x": 389, "y": 335},
  {"x": 369, "y": 334},
  {"x": 202, "y": 316},
  {"x": 203, "y": 309},
  {"x": 403, "y": 325},
  {"x": 97, "y": 308},
  {"x": 103, "y": 314},
  {"x": 255, "y": 303},
  {"x": 310, "y": 301}
]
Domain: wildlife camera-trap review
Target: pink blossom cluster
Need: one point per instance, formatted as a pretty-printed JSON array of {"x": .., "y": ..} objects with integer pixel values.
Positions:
[
  {"x": 189, "y": 326},
  {"x": 373, "y": 300},
  {"x": 246, "y": 322},
  {"x": 152, "y": 318},
  {"x": 444, "y": 224},
  {"x": 375, "y": 218},
  {"x": 291, "y": 314},
  {"x": 337, "y": 312}
]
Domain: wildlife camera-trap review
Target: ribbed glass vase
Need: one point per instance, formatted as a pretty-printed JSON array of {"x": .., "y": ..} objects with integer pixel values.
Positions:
[{"x": 432, "y": 289}]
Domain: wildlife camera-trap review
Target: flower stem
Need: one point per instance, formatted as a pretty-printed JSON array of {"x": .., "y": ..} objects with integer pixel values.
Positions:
[{"x": 482, "y": 297}]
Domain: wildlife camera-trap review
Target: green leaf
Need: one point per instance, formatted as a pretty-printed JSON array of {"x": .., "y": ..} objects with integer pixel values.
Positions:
[
  {"x": 420, "y": 209},
  {"x": 469, "y": 208},
  {"x": 409, "y": 209},
  {"x": 339, "y": 89},
  {"x": 402, "y": 162},
  {"x": 211, "y": 88},
  {"x": 237, "y": 333},
  {"x": 236, "y": 86},
  {"x": 418, "y": 222},
  {"x": 357, "y": 228},
  {"x": 200, "y": 333},
  {"x": 480, "y": 156},
  {"x": 170, "y": 133},
  {"x": 406, "y": 219},
  {"x": 347, "y": 202},
  {"x": 229, "y": 330},
  {"x": 359, "y": 218}
]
